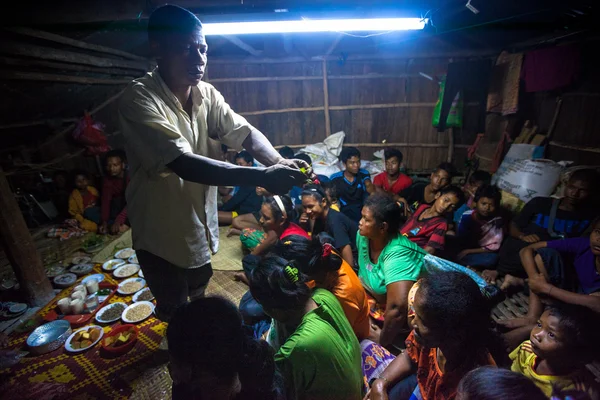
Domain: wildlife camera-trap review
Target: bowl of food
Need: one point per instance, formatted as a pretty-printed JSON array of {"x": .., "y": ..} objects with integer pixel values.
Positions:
[
  {"x": 126, "y": 270},
  {"x": 48, "y": 337},
  {"x": 113, "y": 264},
  {"x": 81, "y": 260},
  {"x": 65, "y": 280},
  {"x": 92, "y": 244},
  {"x": 110, "y": 313},
  {"x": 82, "y": 269},
  {"x": 55, "y": 270},
  {"x": 131, "y": 285},
  {"x": 121, "y": 339},
  {"x": 143, "y": 295},
  {"x": 137, "y": 312},
  {"x": 125, "y": 253},
  {"x": 84, "y": 338}
]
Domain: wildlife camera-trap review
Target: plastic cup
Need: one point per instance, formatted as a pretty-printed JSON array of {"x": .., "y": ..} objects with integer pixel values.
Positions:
[
  {"x": 78, "y": 295},
  {"x": 80, "y": 288},
  {"x": 64, "y": 305},
  {"x": 91, "y": 302},
  {"x": 92, "y": 286},
  {"x": 77, "y": 306}
]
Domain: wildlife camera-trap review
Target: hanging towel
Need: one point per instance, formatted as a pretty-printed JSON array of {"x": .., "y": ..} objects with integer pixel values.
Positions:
[
  {"x": 472, "y": 78},
  {"x": 551, "y": 68},
  {"x": 503, "y": 97}
]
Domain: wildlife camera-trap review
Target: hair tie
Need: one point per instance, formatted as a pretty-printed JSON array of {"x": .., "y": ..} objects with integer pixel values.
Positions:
[
  {"x": 280, "y": 205},
  {"x": 291, "y": 273},
  {"x": 287, "y": 243},
  {"x": 327, "y": 248}
]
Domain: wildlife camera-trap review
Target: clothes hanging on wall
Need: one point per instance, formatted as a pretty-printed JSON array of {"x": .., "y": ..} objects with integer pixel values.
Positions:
[
  {"x": 472, "y": 78},
  {"x": 551, "y": 68},
  {"x": 503, "y": 96}
]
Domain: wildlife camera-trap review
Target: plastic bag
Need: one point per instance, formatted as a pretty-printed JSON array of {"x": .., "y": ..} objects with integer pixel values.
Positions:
[
  {"x": 455, "y": 115},
  {"x": 91, "y": 135}
]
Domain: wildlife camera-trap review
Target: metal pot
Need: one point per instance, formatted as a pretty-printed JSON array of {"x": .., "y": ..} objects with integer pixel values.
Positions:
[{"x": 49, "y": 337}]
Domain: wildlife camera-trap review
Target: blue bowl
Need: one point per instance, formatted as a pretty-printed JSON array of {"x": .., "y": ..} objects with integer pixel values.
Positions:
[{"x": 49, "y": 337}]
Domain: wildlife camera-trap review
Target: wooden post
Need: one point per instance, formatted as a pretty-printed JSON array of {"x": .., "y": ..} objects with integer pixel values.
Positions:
[
  {"x": 20, "y": 249},
  {"x": 450, "y": 145},
  {"x": 326, "y": 100}
]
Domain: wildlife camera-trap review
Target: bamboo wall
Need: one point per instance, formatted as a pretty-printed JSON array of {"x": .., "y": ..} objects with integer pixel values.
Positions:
[{"x": 373, "y": 102}]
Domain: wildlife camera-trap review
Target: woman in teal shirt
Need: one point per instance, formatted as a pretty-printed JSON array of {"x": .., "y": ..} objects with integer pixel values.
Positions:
[
  {"x": 321, "y": 357},
  {"x": 389, "y": 264}
]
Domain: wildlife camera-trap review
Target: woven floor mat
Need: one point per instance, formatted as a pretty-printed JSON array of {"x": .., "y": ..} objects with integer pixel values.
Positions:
[
  {"x": 222, "y": 284},
  {"x": 230, "y": 254}
]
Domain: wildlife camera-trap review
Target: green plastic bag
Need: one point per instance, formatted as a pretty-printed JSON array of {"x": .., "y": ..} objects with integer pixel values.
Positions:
[{"x": 455, "y": 115}]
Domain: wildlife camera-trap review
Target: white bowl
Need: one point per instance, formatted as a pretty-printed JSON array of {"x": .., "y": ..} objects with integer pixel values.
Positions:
[
  {"x": 112, "y": 264},
  {"x": 103, "y": 309},
  {"x": 125, "y": 253},
  {"x": 129, "y": 321},
  {"x": 122, "y": 273},
  {"x": 143, "y": 281},
  {"x": 65, "y": 280},
  {"x": 85, "y": 328},
  {"x": 137, "y": 295}
]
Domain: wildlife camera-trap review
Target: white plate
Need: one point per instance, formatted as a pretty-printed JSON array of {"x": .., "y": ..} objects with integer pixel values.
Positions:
[
  {"x": 81, "y": 260},
  {"x": 85, "y": 328},
  {"x": 141, "y": 273},
  {"x": 103, "y": 309},
  {"x": 133, "y": 260},
  {"x": 124, "y": 318},
  {"x": 65, "y": 280},
  {"x": 122, "y": 273},
  {"x": 82, "y": 269},
  {"x": 143, "y": 281},
  {"x": 112, "y": 264},
  {"x": 98, "y": 277},
  {"x": 125, "y": 253},
  {"x": 137, "y": 295}
]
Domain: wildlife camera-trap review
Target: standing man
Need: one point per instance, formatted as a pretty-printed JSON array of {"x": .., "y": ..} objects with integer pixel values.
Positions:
[
  {"x": 113, "y": 204},
  {"x": 174, "y": 125}
]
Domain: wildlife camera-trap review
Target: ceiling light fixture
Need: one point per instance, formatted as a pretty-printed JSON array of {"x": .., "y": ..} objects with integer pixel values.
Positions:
[{"x": 314, "y": 25}]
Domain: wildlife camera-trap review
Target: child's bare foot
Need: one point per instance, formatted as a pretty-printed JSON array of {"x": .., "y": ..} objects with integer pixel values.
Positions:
[
  {"x": 512, "y": 282},
  {"x": 517, "y": 322},
  {"x": 490, "y": 276},
  {"x": 241, "y": 277}
]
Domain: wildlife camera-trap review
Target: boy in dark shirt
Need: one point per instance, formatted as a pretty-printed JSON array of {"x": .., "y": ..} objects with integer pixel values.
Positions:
[
  {"x": 244, "y": 199},
  {"x": 113, "y": 205},
  {"x": 572, "y": 216},
  {"x": 425, "y": 193},
  {"x": 353, "y": 185}
]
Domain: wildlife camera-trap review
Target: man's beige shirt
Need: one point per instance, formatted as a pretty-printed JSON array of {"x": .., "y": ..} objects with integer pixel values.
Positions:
[{"x": 172, "y": 218}]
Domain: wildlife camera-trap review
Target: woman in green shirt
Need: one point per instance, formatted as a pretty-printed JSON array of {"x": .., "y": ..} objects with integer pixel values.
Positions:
[
  {"x": 321, "y": 358},
  {"x": 389, "y": 264}
]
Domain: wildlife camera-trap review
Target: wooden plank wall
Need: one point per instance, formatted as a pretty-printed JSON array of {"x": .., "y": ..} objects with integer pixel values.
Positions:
[{"x": 371, "y": 101}]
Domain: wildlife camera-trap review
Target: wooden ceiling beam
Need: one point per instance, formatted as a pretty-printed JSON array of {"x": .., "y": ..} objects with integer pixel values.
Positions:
[{"x": 243, "y": 45}]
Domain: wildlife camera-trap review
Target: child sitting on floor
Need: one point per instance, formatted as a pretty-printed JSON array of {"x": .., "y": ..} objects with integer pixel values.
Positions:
[
  {"x": 83, "y": 203},
  {"x": 476, "y": 180},
  {"x": 425, "y": 193},
  {"x": 481, "y": 230},
  {"x": 244, "y": 200},
  {"x": 560, "y": 345},
  {"x": 427, "y": 226}
]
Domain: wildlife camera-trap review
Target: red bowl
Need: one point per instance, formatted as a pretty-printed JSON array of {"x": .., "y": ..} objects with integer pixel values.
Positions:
[{"x": 123, "y": 348}]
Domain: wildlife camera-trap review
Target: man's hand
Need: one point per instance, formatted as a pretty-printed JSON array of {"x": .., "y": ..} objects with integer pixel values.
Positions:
[
  {"x": 403, "y": 204},
  {"x": 378, "y": 391},
  {"x": 115, "y": 228},
  {"x": 530, "y": 238},
  {"x": 279, "y": 179},
  {"x": 300, "y": 165},
  {"x": 103, "y": 229}
]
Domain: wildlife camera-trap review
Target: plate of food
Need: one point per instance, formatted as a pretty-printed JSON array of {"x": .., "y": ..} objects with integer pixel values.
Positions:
[
  {"x": 98, "y": 277},
  {"x": 125, "y": 253},
  {"x": 81, "y": 260},
  {"x": 82, "y": 269},
  {"x": 84, "y": 338},
  {"x": 113, "y": 264},
  {"x": 133, "y": 259},
  {"x": 126, "y": 270},
  {"x": 65, "y": 280},
  {"x": 121, "y": 339},
  {"x": 54, "y": 271},
  {"x": 137, "y": 312},
  {"x": 131, "y": 285},
  {"x": 92, "y": 244},
  {"x": 143, "y": 295},
  {"x": 110, "y": 313}
]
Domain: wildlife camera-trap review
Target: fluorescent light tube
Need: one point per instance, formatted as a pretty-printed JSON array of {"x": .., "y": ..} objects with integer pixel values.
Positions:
[{"x": 314, "y": 25}]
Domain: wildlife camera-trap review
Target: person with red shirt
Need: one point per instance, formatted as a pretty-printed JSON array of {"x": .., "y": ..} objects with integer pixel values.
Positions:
[
  {"x": 392, "y": 180},
  {"x": 113, "y": 205},
  {"x": 428, "y": 225}
]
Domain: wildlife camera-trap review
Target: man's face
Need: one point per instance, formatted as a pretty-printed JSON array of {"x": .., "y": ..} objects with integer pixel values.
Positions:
[
  {"x": 486, "y": 207},
  {"x": 182, "y": 58},
  {"x": 392, "y": 166},
  {"x": 577, "y": 192},
  {"x": 114, "y": 166},
  {"x": 81, "y": 182},
  {"x": 353, "y": 165},
  {"x": 440, "y": 179}
]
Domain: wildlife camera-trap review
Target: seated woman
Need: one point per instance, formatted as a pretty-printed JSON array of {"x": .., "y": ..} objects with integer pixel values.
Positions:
[
  {"x": 552, "y": 278},
  {"x": 428, "y": 225},
  {"x": 321, "y": 263},
  {"x": 334, "y": 223},
  {"x": 450, "y": 337},
  {"x": 320, "y": 359},
  {"x": 250, "y": 221},
  {"x": 481, "y": 230},
  {"x": 83, "y": 203},
  {"x": 388, "y": 264}
]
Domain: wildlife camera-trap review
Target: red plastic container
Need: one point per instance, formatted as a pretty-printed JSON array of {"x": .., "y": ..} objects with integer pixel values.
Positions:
[{"x": 116, "y": 331}]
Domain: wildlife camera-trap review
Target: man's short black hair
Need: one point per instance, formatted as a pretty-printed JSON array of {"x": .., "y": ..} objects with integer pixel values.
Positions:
[
  {"x": 490, "y": 192},
  {"x": 349, "y": 152},
  {"x": 286, "y": 152},
  {"x": 171, "y": 19},
  {"x": 246, "y": 156},
  {"x": 303, "y": 157},
  {"x": 389, "y": 153},
  {"x": 448, "y": 167},
  {"x": 479, "y": 176},
  {"x": 116, "y": 154}
]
